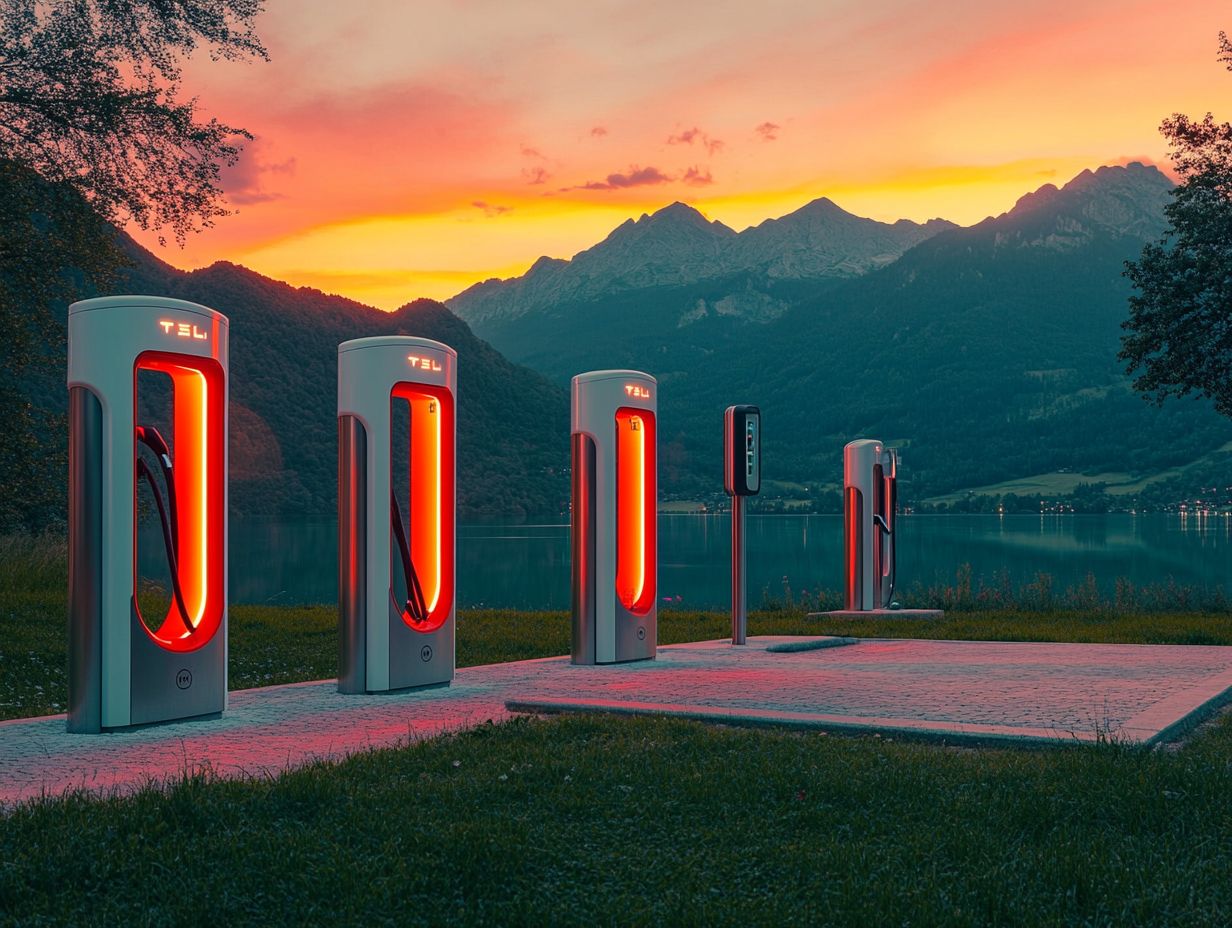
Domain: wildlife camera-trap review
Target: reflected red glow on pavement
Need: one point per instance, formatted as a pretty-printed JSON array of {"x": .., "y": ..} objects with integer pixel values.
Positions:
[{"x": 983, "y": 690}]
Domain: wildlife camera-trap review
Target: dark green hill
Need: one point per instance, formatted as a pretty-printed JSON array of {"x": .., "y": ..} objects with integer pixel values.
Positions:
[
  {"x": 988, "y": 363},
  {"x": 989, "y": 351},
  {"x": 512, "y": 423}
]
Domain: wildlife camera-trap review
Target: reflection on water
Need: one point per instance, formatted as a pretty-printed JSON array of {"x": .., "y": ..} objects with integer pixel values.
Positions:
[{"x": 527, "y": 566}]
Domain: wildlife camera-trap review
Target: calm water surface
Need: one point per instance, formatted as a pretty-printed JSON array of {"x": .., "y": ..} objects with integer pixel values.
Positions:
[{"x": 527, "y": 566}]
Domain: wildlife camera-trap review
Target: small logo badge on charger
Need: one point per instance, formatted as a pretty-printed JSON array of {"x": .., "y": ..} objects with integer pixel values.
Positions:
[
  {"x": 183, "y": 329},
  {"x": 425, "y": 653},
  {"x": 422, "y": 363},
  {"x": 183, "y": 679}
]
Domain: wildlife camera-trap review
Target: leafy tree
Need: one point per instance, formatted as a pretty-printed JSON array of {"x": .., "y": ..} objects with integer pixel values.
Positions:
[
  {"x": 90, "y": 95},
  {"x": 43, "y": 227},
  {"x": 1179, "y": 332},
  {"x": 93, "y": 133}
]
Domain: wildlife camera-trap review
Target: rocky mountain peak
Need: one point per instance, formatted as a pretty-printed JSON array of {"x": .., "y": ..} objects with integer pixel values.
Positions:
[
  {"x": 1123, "y": 200},
  {"x": 677, "y": 219}
]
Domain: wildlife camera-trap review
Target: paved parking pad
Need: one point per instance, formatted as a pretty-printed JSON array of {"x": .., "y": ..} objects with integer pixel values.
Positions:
[
  {"x": 957, "y": 690},
  {"x": 987, "y": 691}
]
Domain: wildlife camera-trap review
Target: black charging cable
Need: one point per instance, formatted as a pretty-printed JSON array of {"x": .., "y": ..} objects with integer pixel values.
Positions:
[
  {"x": 167, "y": 513},
  {"x": 416, "y": 605},
  {"x": 883, "y": 524}
]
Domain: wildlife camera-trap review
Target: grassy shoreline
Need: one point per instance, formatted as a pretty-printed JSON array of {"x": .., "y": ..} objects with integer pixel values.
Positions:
[{"x": 289, "y": 644}]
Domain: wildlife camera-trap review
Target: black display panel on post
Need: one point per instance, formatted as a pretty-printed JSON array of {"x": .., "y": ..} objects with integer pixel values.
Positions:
[{"x": 742, "y": 451}]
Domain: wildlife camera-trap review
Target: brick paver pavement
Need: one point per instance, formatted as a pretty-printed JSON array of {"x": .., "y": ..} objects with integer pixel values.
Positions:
[{"x": 952, "y": 689}]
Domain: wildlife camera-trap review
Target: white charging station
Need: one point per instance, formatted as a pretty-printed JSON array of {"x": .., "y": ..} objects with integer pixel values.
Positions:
[
  {"x": 396, "y": 513},
  {"x": 136, "y": 655},
  {"x": 614, "y": 507},
  {"x": 870, "y": 501}
]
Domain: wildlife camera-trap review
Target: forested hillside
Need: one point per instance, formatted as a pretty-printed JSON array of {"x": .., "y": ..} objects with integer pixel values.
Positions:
[
  {"x": 512, "y": 424},
  {"x": 988, "y": 352}
]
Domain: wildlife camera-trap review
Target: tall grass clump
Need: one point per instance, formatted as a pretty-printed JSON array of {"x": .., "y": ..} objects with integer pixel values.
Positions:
[
  {"x": 971, "y": 593},
  {"x": 32, "y": 564}
]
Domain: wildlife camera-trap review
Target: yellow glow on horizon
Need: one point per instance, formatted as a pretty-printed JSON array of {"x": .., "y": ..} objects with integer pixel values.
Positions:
[{"x": 388, "y": 261}]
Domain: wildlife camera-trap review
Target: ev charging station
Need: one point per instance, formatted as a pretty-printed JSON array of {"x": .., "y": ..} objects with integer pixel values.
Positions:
[
  {"x": 132, "y": 660},
  {"x": 614, "y": 532},
  {"x": 741, "y": 478},
  {"x": 396, "y": 512},
  {"x": 870, "y": 499}
]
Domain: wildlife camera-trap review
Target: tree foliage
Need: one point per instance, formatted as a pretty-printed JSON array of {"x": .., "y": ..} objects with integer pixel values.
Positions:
[
  {"x": 93, "y": 132},
  {"x": 1179, "y": 331},
  {"x": 90, "y": 96},
  {"x": 44, "y": 227}
]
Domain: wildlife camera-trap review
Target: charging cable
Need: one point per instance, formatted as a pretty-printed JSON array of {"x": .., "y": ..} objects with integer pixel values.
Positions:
[
  {"x": 416, "y": 605},
  {"x": 167, "y": 514}
]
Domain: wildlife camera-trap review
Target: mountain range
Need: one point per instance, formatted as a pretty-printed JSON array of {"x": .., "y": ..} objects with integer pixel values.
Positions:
[
  {"x": 988, "y": 352},
  {"x": 678, "y": 246}
]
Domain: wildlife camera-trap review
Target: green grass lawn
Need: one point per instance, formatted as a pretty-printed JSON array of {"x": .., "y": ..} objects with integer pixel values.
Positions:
[
  {"x": 630, "y": 821},
  {"x": 641, "y": 821}
]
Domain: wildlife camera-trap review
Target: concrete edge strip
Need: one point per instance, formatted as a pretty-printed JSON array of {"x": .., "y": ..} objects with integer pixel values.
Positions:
[
  {"x": 60, "y": 717},
  {"x": 1173, "y": 717},
  {"x": 811, "y": 644},
  {"x": 923, "y": 730},
  {"x": 163, "y": 776},
  {"x": 857, "y": 615}
]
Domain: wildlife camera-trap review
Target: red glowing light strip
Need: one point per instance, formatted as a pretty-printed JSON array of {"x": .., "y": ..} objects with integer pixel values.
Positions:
[
  {"x": 197, "y": 450},
  {"x": 430, "y": 515},
  {"x": 635, "y": 509}
]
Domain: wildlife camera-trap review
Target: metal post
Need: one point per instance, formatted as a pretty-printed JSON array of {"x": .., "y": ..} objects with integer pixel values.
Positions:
[{"x": 740, "y": 616}]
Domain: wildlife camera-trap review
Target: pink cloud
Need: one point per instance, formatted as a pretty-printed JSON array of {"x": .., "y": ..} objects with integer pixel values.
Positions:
[
  {"x": 244, "y": 181},
  {"x": 444, "y": 134},
  {"x": 646, "y": 177},
  {"x": 492, "y": 210},
  {"x": 768, "y": 131},
  {"x": 535, "y": 175},
  {"x": 634, "y": 177},
  {"x": 598, "y": 132},
  {"x": 689, "y": 136},
  {"x": 696, "y": 177}
]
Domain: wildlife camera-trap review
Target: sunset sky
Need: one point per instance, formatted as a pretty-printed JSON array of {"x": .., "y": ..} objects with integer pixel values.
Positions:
[{"x": 411, "y": 149}]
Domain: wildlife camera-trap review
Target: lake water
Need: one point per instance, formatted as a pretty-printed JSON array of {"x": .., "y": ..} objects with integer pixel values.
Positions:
[{"x": 527, "y": 566}]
